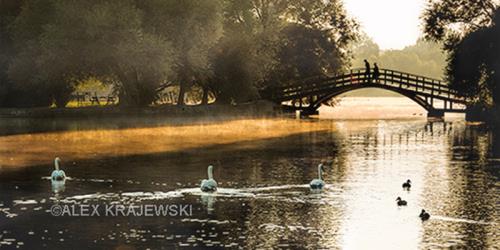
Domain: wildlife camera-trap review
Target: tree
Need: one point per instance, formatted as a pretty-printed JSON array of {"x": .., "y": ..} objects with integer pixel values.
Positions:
[
  {"x": 235, "y": 70},
  {"x": 450, "y": 20},
  {"x": 469, "y": 30},
  {"x": 305, "y": 52},
  {"x": 246, "y": 54},
  {"x": 192, "y": 27},
  {"x": 11, "y": 95},
  {"x": 105, "y": 39},
  {"x": 474, "y": 67},
  {"x": 316, "y": 41}
]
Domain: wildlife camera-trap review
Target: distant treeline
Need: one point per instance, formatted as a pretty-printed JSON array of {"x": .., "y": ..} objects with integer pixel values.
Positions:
[
  {"x": 231, "y": 50},
  {"x": 425, "y": 58}
]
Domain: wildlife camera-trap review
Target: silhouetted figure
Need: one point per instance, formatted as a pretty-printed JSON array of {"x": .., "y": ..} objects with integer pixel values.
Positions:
[
  {"x": 376, "y": 73},
  {"x": 367, "y": 70}
]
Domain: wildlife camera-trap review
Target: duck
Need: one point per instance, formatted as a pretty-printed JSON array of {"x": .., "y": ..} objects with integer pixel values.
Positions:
[
  {"x": 57, "y": 174},
  {"x": 401, "y": 202},
  {"x": 424, "y": 215},
  {"x": 407, "y": 184},
  {"x": 318, "y": 184},
  {"x": 209, "y": 185}
]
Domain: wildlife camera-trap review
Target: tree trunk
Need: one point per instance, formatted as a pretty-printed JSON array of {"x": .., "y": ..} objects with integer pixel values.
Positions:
[
  {"x": 204, "y": 97},
  {"x": 182, "y": 92}
]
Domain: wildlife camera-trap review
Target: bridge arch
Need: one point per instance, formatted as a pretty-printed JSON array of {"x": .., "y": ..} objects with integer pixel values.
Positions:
[{"x": 327, "y": 96}]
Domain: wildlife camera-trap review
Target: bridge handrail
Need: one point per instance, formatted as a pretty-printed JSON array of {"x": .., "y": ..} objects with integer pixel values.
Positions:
[
  {"x": 401, "y": 72},
  {"x": 362, "y": 70},
  {"x": 403, "y": 75},
  {"x": 410, "y": 82},
  {"x": 325, "y": 86}
]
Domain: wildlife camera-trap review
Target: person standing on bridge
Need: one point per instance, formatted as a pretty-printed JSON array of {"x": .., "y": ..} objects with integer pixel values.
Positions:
[
  {"x": 376, "y": 72},
  {"x": 367, "y": 71}
]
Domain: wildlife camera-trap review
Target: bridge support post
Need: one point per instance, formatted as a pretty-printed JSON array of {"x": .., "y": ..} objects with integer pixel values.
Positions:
[
  {"x": 307, "y": 112},
  {"x": 475, "y": 114},
  {"x": 435, "y": 114}
]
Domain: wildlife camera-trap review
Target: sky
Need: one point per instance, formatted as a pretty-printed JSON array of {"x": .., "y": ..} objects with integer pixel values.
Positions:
[{"x": 392, "y": 24}]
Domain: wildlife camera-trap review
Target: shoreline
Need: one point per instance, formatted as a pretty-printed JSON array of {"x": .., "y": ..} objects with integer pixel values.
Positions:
[{"x": 253, "y": 109}]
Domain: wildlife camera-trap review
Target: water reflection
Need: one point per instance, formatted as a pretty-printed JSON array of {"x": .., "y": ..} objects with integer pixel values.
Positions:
[
  {"x": 263, "y": 200},
  {"x": 58, "y": 186}
]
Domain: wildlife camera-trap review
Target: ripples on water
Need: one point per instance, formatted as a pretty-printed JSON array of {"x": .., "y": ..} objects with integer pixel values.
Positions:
[{"x": 263, "y": 200}]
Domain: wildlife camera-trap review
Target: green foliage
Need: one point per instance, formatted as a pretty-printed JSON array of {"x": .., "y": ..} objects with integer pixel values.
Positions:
[
  {"x": 98, "y": 38},
  {"x": 471, "y": 34},
  {"x": 474, "y": 68},
  {"x": 232, "y": 48},
  {"x": 235, "y": 68},
  {"x": 447, "y": 20},
  {"x": 306, "y": 52},
  {"x": 423, "y": 58},
  {"x": 9, "y": 9},
  {"x": 192, "y": 27}
]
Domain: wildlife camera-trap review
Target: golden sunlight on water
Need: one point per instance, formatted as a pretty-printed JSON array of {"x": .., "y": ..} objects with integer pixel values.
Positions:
[
  {"x": 41, "y": 148},
  {"x": 376, "y": 108}
]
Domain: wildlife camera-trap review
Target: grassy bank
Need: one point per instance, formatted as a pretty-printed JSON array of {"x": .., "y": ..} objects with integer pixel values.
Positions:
[{"x": 259, "y": 108}]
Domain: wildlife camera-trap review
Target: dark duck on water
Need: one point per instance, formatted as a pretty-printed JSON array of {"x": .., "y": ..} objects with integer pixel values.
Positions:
[
  {"x": 401, "y": 202},
  {"x": 424, "y": 215},
  {"x": 407, "y": 184}
]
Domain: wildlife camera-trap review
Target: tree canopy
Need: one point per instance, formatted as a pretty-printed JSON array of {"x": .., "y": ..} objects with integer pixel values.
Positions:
[
  {"x": 470, "y": 32},
  {"x": 233, "y": 49}
]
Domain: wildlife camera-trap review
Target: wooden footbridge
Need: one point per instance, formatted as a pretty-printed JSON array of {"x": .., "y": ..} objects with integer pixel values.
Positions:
[{"x": 433, "y": 95}]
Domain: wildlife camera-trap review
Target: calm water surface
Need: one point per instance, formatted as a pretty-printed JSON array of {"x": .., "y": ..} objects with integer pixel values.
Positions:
[{"x": 264, "y": 200}]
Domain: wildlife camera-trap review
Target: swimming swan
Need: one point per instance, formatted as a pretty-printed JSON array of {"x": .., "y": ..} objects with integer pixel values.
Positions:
[
  {"x": 407, "y": 185},
  {"x": 318, "y": 183},
  {"x": 401, "y": 202},
  {"x": 424, "y": 215},
  {"x": 57, "y": 175},
  {"x": 209, "y": 185}
]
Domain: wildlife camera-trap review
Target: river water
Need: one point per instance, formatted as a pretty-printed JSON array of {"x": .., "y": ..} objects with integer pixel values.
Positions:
[{"x": 263, "y": 167}]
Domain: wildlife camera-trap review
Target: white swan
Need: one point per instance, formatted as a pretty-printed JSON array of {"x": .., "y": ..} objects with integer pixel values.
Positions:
[
  {"x": 57, "y": 174},
  {"x": 318, "y": 183},
  {"x": 209, "y": 185}
]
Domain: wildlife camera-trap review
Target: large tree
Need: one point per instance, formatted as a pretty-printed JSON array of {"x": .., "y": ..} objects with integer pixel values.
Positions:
[
  {"x": 470, "y": 32},
  {"x": 105, "y": 39},
  {"x": 11, "y": 95},
  {"x": 246, "y": 53},
  {"x": 192, "y": 27},
  {"x": 293, "y": 39}
]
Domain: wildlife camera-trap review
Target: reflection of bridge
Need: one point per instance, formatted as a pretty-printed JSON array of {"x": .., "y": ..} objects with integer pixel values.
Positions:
[{"x": 309, "y": 94}]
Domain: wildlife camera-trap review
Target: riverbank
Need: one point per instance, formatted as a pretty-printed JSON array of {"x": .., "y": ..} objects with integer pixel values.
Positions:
[{"x": 254, "y": 109}]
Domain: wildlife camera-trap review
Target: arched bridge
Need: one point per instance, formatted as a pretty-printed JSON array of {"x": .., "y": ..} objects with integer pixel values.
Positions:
[{"x": 309, "y": 94}]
